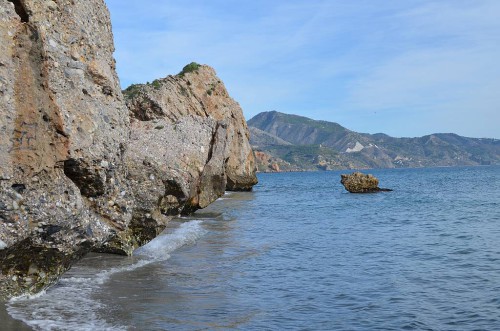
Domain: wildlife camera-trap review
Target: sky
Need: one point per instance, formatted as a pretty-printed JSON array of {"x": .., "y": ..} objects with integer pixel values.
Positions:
[{"x": 405, "y": 68}]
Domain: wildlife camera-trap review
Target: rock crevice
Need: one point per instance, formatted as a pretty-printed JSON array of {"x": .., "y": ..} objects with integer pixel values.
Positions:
[{"x": 21, "y": 10}]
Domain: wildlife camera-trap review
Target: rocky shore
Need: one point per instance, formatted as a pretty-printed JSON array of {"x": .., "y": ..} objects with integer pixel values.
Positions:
[{"x": 81, "y": 171}]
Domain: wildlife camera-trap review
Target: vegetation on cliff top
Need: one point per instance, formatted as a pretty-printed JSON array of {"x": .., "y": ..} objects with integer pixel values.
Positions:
[
  {"x": 193, "y": 66},
  {"x": 132, "y": 91}
]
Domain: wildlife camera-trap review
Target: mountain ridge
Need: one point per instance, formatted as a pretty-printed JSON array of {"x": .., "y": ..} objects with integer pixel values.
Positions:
[{"x": 332, "y": 146}]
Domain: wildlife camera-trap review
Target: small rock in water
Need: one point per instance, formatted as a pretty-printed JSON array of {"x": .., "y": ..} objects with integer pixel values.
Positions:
[{"x": 358, "y": 182}]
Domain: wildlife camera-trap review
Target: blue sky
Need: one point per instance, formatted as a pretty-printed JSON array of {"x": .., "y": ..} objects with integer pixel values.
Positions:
[{"x": 406, "y": 68}]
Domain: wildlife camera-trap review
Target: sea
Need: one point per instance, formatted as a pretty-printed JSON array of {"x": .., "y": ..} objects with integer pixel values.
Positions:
[{"x": 300, "y": 253}]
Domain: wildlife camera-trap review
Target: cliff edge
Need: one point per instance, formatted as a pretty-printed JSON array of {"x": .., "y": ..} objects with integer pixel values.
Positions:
[
  {"x": 77, "y": 173},
  {"x": 189, "y": 143},
  {"x": 196, "y": 92},
  {"x": 64, "y": 128}
]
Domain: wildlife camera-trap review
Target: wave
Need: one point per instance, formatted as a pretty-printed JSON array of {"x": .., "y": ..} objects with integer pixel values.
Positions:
[
  {"x": 186, "y": 234},
  {"x": 70, "y": 305}
]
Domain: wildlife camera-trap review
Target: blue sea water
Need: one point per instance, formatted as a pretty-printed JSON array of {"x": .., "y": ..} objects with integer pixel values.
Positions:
[{"x": 301, "y": 253}]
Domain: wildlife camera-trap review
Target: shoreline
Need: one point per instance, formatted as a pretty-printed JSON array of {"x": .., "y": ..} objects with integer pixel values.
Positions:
[
  {"x": 365, "y": 169},
  {"x": 8, "y": 323}
]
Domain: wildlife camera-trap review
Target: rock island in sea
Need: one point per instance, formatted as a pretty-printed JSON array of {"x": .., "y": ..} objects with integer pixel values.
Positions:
[
  {"x": 81, "y": 171},
  {"x": 358, "y": 182}
]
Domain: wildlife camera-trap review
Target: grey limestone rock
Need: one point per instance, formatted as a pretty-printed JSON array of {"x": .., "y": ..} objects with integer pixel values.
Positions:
[
  {"x": 63, "y": 128},
  {"x": 201, "y": 94},
  {"x": 188, "y": 144},
  {"x": 79, "y": 171}
]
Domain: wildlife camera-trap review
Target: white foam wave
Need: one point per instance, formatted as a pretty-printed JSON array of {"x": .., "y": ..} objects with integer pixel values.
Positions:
[
  {"x": 70, "y": 304},
  {"x": 28, "y": 296},
  {"x": 64, "y": 307},
  {"x": 227, "y": 196},
  {"x": 161, "y": 246}
]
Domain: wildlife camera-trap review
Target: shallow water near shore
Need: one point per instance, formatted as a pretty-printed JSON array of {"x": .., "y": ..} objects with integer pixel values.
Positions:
[{"x": 301, "y": 253}]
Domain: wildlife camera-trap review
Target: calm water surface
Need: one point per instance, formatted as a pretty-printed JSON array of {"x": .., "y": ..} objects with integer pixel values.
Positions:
[{"x": 300, "y": 253}]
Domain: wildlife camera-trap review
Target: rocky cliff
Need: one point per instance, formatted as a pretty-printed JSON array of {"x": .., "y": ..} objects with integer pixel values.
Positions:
[
  {"x": 64, "y": 128},
  {"x": 76, "y": 173},
  {"x": 198, "y": 93},
  {"x": 189, "y": 143}
]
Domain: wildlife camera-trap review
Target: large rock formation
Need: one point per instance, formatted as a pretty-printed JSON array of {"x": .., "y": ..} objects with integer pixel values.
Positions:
[
  {"x": 173, "y": 168},
  {"x": 189, "y": 143},
  {"x": 70, "y": 179},
  {"x": 63, "y": 129},
  {"x": 198, "y": 93}
]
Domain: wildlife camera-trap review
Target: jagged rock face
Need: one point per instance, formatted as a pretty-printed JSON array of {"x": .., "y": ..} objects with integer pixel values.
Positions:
[
  {"x": 173, "y": 168},
  {"x": 70, "y": 179},
  {"x": 268, "y": 163},
  {"x": 188, "y": 143},
  {"x": 200, "y": 94},
  {"x": 64, "y": 129}
]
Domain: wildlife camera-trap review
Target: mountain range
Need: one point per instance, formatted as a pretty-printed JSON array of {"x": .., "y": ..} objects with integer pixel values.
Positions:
[{"x": 285, "y": 142}]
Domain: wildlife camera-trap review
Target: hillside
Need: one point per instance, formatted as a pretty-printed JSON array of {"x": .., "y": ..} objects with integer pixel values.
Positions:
[{"x": 300, "y": 143}]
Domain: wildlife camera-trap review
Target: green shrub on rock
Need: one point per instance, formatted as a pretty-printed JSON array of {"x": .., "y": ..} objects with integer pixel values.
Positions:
[
  {"x": 156, "y": 84},
  {"x": 132, "y": 91},
  {"x": 193, "y": 66}
]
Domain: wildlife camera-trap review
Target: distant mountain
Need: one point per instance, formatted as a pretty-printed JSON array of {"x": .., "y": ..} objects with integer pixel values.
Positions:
[
  {"x": 299, "y": 143},
  {"x": 262, "y": 138}
]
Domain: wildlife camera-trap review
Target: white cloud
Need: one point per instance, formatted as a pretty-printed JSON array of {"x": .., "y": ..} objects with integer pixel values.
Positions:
[
  {"x": 368, "y": 65},
  {"x": 447, "y": 81}
]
